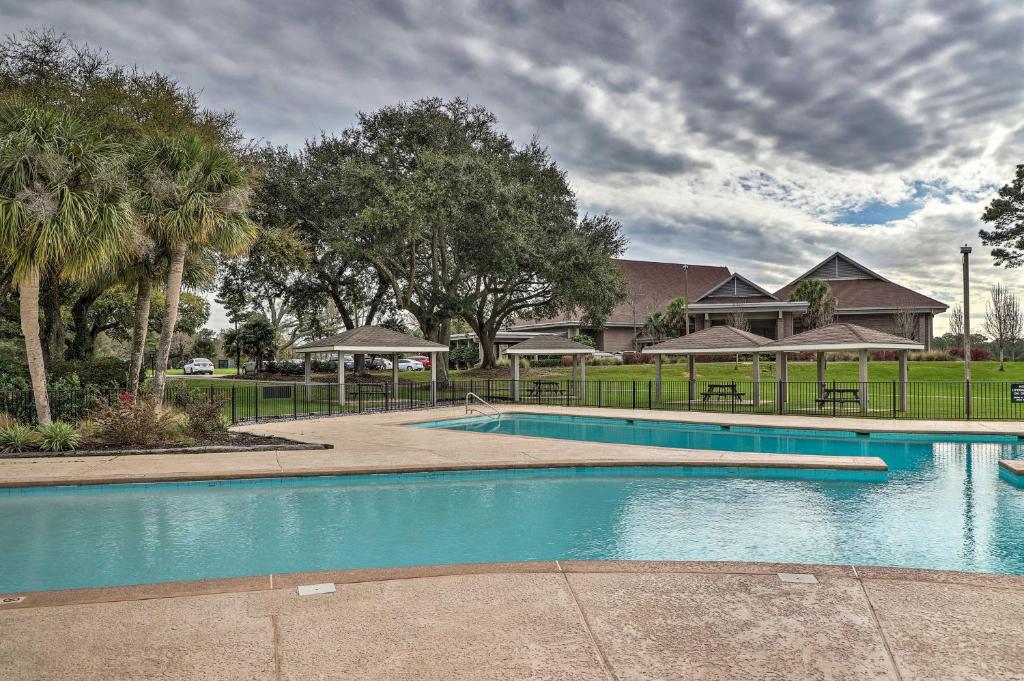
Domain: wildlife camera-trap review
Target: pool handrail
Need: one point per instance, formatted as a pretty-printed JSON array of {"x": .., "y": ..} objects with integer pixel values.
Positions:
[{"x": 472, "y": 409}]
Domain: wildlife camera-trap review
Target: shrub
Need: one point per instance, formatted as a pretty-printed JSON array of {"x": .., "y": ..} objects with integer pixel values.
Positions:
[
  {"x": 464, "y": 355},
  {"x": 58, "y": 437},
  {"x": 101, "y": 372},
  {"x": 605, "y": 361},
  {"x": 134, "y": 421},
  {"x": 977, "y": 354},
  {"x": 18, "y": 437},
  {"x": 933, "y": 356},
  {"x": 205, "y": 413},
  {"x": 524, "y": 364},
  {"x": 637, "y": 358}
]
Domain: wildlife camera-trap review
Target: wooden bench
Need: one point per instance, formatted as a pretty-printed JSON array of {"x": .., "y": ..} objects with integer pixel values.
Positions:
[{"x": 727, "y": 390}]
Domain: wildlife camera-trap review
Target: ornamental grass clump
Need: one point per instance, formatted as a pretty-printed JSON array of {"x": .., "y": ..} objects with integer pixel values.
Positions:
[
  {"x": 18, "y": 437},
  {"x": 58, "y": 437},
  {"x": 138, "y": 421}
]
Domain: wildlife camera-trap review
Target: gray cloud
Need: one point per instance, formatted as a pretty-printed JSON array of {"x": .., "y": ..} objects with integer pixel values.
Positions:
[{"x": 660, "y": 112}]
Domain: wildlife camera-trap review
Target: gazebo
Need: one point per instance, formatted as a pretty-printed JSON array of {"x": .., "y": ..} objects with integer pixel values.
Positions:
[
  {"x": 372, "y": 340},
  {"x": 844, "y": 338},
  {"x": 550, "y": 344},
  {"x": 715, "y": 340}
]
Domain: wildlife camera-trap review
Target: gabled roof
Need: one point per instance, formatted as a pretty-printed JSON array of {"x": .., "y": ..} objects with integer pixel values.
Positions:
[
  {"x": 726, "y": 340},
  {"x": 840, "y": 266},
  {"x": 549, "y": 344},
  {"x": 371, "y": 339},
  {"x": 843, "y": 337},
  {"x": 736, "y": 288},
  {"x": 650, "y": 287},
  {"x": 855, "y": 287}
]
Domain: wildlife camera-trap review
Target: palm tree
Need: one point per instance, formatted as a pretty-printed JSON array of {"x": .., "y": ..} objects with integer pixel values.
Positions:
[
  {"x": 64, "y": 209},
  {"x": 196, "y": 197},
  {"x": 821, "y": 308},
  {"x": 677, "y": 316}
]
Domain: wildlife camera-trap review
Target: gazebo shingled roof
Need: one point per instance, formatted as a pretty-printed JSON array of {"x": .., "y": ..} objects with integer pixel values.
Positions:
[
  {"x": 549, "y": 344},
  {"x": 835, "y": 337},
  {"x": 371, "y": 339},
  {"x": 726, "y": 340}
]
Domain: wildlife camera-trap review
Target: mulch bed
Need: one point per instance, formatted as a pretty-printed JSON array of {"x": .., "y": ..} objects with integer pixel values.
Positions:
[{"x": 231, "y": 442}]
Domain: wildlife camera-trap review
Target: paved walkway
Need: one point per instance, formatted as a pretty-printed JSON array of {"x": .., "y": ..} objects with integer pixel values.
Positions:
[
  {"x": 559, "y": 621},
  {"x": 386, "y": 443}
]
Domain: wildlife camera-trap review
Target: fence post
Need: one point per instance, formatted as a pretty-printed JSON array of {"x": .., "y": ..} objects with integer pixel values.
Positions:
[
  {"x": 967, "y": 399},
  {"x": 894, "y": 399},
  {"x": 234, "y": 408},
  {"x": 257, "y": 402},
  {"x": 295, "y": 402},
  {"x": 634, "y": 393},
  {"x": 650, "y": 405}
]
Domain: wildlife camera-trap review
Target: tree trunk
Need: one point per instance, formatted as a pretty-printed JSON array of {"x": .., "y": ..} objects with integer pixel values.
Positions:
[
  {"x": 53, "y": 323},
  {"x": 173, "y": 296},
  {"x": 490, "y": 357},
  {"x": 1002, "y": 367},
  {"x": 143, "y": 297},
  {"x": 83, "y": 345},
  {"x": 28, "y": 291}
]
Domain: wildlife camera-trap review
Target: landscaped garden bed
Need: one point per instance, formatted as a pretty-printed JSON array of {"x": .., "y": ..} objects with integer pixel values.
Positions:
[{"x": 231, "y": 442}]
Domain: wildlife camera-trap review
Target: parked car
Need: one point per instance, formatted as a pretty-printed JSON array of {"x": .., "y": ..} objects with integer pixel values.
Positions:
[
  {"x": 410, "y": 365},
  {"x": 199, "y": 365},
  {"x": 350, "y": 362},
  {"x": 249, "y": 367},
  {"x": 422, "y": 359},
  {"x": 380, "y": 364}
]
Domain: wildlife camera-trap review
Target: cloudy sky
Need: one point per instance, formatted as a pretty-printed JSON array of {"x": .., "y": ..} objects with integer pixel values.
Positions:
[{"x": 761, "y": 135}]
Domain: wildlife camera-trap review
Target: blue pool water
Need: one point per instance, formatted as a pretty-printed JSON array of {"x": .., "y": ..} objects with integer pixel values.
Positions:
[{"x": 943, "y": 504}]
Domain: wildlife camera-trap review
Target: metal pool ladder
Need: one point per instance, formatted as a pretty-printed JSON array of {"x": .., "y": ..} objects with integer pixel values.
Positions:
[{"x": 472, "y": 399}]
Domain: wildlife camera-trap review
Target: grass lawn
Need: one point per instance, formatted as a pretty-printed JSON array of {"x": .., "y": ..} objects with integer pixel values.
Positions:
[{"x": 935, "y": 390}]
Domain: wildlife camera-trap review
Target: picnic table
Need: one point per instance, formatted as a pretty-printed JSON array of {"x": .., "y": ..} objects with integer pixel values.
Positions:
[
  {"x": 727, "y": 390},
  {"x": 836, "y": 396},
  {"x": 546, "y": 389}
]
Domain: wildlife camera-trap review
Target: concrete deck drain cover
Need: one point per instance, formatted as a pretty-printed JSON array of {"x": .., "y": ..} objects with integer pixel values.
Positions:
[
  {"x": 795, "y": 578},
  {"x": 314, "y": 589}
]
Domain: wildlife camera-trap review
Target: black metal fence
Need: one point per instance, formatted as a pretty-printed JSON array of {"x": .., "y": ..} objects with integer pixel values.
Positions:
[{"x": 262, "y": 401}]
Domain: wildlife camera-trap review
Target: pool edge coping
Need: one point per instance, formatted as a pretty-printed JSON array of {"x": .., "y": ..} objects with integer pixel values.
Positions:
[
  {"x": 748, "y": 420},
  {"x": 286, "y": 581}
]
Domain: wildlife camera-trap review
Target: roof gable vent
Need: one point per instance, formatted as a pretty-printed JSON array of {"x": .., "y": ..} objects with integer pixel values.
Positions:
[{"x": 838, "y": 267}]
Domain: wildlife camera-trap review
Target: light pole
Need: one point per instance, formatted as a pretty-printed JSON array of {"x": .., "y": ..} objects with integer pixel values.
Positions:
[
  {"x": 965, "y": 250},
  {"x": 686, "y": 300}
]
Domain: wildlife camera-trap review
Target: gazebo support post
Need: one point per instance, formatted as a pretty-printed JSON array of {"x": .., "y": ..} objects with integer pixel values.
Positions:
[
  {"x": 433, "y": 379},
  {"x": 583, "y": 377},
  {"x": 657, "y": 376},
  {"x": 691, "y": 378},
  {"x": 394, "y": 373},
  {"x": 903, "y": 381},
  {"x": 756, "y": 371},
  {"x": 782, "y": 374},
  {"x": 863, "y": 376},
  {"x": 307, "y": 373},
  {"x": 515, "y": 378},
  {"x": 820, "y": 357},
  {"x": 341, "y": 380}
]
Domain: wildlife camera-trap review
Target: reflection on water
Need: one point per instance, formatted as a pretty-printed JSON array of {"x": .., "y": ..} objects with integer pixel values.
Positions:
[{"x": 943, "y": 506}]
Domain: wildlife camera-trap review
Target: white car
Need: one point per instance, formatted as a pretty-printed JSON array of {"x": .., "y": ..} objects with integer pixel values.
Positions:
[
  {"x": 380, "y": 364},
  {"x": 199, "y": 365},
  {"x": 410, "y": 365}
]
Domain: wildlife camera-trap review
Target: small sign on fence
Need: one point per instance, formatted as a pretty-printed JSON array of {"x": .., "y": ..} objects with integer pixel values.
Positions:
[
  {"x": 276, "y": 392},
  {"x": 1017, "y": 393}
]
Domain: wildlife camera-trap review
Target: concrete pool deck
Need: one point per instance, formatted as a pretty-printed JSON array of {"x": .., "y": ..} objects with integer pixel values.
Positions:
[
  {"x": 382, "y": 443},
  {"x": 552, "y": 620}
]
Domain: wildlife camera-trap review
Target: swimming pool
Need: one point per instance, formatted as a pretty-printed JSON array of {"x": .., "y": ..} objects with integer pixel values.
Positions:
[
  {"x": 892, "y": 447},
  {"x": 942, "y": 506}
]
